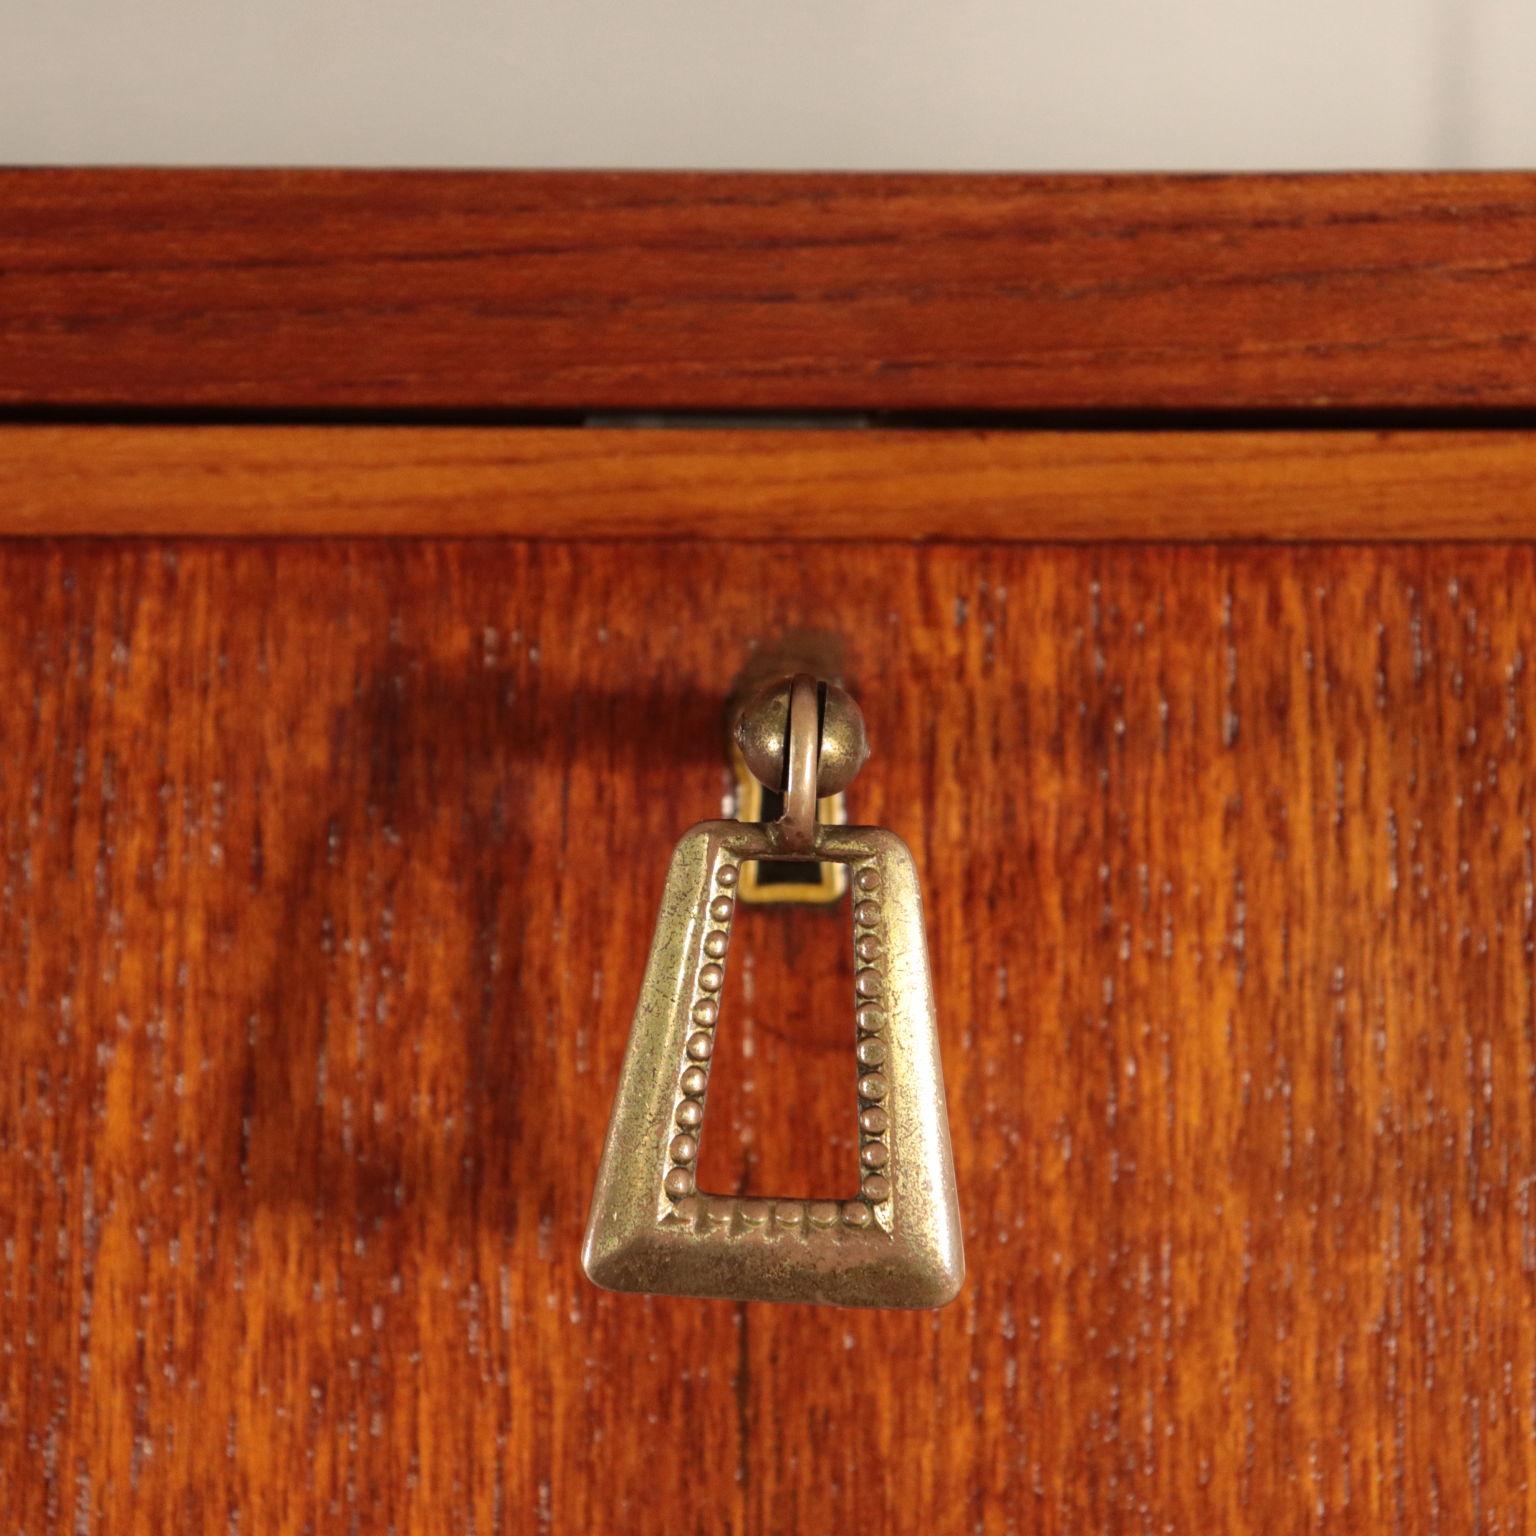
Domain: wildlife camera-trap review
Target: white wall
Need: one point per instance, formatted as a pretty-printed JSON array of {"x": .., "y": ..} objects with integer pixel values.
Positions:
[{"x": 941, "y": 84}]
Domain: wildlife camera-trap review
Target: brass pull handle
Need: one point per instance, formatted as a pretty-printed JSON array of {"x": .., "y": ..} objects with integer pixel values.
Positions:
[{"x": 898, "y": 1243}]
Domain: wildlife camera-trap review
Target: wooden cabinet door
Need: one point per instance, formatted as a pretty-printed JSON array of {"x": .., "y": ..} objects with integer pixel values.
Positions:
[{"x": 328, "y": 864}]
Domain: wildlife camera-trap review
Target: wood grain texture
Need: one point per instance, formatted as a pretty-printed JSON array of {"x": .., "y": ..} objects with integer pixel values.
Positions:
[
  {"x": 321, "y": 290},
  {"x": 326, "y": 876},
  {"x": 744, "y": 485}
]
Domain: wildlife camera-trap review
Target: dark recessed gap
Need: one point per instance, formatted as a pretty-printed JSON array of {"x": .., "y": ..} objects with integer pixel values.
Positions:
[{"x": 1085, "y": 419}]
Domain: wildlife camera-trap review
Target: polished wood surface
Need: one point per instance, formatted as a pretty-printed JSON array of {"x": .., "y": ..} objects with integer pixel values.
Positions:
[
  {"x": 326, "y": 877},
  {"x": 316, "y": 290},
  {"x": 748, "y": 485}
]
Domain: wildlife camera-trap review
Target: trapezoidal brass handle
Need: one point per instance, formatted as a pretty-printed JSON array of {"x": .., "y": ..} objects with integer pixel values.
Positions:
[{"x": 651, "y": 1229}]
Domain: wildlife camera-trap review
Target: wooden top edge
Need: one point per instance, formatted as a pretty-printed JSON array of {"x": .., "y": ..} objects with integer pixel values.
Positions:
[
  {"x": 564, "y": 178},
  {"x": 303, "y": 290},
  {"x": 756, "y": 485}
]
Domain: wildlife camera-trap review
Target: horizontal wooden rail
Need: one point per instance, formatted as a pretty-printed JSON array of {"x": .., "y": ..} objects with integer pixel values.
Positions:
[
  {"x": 749, "y": 485},
  {"x": 318, "y": 291}
]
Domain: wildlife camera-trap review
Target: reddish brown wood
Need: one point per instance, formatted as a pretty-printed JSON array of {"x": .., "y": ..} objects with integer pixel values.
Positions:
[
  {"x": 326, "y": 876},
  {"x": 729, "y": 485},
  {"x": 326, "y": 290}
]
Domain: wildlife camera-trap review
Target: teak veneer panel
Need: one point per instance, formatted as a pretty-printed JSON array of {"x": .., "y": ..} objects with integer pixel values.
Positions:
[
  {"x": 317, "y": 290},
  {"x": 744, "y": 485},
  {"x": 326, "y": 878}
]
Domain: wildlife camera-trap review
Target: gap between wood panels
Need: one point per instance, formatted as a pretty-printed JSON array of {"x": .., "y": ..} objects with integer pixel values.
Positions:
[{"x": 286, "y": 481}]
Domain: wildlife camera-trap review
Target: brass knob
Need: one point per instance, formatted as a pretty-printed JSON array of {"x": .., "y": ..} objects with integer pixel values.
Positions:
[{"x": 762, "y": 733}]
